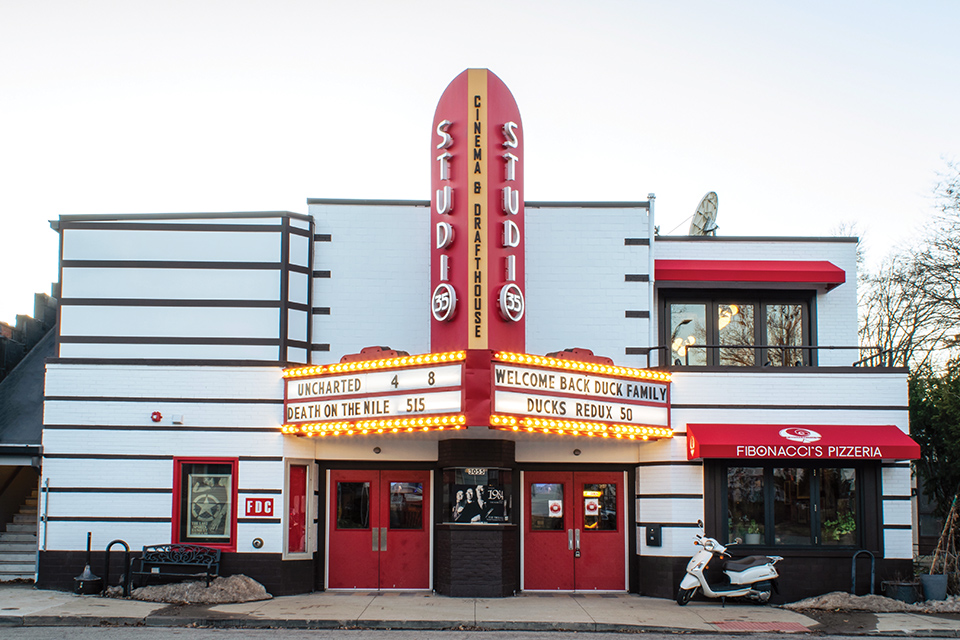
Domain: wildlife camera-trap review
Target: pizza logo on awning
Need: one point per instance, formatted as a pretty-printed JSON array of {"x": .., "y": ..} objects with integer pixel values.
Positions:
[{"x": 806, "y": 436}]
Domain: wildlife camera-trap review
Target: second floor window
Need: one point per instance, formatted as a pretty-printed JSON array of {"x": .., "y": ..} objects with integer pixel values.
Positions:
[{"x": 738, "y": 330}]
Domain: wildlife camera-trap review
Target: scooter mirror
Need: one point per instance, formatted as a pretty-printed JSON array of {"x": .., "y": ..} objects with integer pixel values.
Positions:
[
  {"x": 738, "y": 541},
  {"x": 700, "y": 523}
]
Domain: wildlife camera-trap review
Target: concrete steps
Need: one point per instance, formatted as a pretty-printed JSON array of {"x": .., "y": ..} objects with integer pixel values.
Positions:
[{"x": 18, "y": 544}]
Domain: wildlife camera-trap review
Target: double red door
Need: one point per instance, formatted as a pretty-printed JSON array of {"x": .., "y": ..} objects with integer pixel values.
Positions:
[
  {"x": 379, "y": 530},
  {"x": 574, "y": 531}
]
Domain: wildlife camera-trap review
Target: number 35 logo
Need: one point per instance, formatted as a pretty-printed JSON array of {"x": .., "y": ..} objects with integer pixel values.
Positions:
[
  {"x": 443, "y": 303},
  {"x": 511, "y": 303}
]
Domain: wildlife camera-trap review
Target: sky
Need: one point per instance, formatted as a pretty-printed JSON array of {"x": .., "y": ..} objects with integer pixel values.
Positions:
[{"x": 802, "y": 116}]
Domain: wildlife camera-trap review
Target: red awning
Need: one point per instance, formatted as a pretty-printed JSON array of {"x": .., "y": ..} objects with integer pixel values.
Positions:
[
  {"x": 799, "y": 442},
  {"x": 796, "y": 271}
]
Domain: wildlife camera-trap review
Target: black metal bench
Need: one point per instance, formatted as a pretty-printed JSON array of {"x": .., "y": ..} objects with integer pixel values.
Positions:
[{"x": 177, "y": 561}]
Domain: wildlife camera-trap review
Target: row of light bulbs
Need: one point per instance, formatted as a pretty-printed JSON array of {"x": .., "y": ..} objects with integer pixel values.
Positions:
[
  {"x": 574, "y": 427},
  {"x": 585, "y": 367},
  {"x": 393, "y": 425},
  {"x": 373, "y": 365}
]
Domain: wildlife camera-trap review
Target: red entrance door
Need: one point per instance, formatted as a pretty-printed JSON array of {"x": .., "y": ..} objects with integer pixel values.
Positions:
[
  {"x": 379, "y": 530},
  {"x": 574, "y": 531}
]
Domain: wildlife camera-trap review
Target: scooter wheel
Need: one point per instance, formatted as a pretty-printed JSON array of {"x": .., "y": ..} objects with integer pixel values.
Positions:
[{"x": 684, "y": 595}]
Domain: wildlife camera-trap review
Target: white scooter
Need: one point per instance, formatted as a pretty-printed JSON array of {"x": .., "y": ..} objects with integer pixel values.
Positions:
[{"x": 752, "y": 577}]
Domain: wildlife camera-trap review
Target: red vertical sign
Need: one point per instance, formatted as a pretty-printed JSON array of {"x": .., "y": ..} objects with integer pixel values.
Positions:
[{"x": 477, "y": 230}]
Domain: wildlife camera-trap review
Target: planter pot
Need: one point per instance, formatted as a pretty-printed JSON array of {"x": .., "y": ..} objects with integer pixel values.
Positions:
[
  {"x": 753, "y": 538},
  {"x": 903, "y": 591},
  {"x": 934, "y": 587}
]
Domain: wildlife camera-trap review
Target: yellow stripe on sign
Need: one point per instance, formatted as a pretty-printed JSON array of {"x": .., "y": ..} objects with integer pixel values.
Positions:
[{"x": 477, "y": 181}]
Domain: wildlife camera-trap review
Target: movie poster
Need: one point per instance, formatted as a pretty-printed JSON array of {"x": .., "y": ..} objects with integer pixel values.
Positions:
[
  {"x": 209, "y": 500},
  {"x": 478, "y": 504}
]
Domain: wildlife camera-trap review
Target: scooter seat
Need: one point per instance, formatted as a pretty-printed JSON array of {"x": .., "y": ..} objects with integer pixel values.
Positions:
[{"x": 746, "y": 563}]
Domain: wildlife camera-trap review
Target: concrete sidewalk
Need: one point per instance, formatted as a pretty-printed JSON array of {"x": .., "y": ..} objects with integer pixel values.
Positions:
[{"x": 22, "y": 605}]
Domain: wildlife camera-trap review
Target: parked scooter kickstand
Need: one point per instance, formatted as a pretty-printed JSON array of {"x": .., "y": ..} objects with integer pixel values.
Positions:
[{"x": 753, "y": 577}]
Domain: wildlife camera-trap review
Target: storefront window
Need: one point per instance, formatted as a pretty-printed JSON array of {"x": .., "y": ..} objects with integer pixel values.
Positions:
[
  {"x": 206, "y": 512},
  {"x": 477, "y": 495},
  {"x": 792, "y": 506},
  {"x": 688, "y": 327},
  {"x": 838, "y": 506},
  {"x": 735, "y": 327},
  {"x": 745, "y": 501}
]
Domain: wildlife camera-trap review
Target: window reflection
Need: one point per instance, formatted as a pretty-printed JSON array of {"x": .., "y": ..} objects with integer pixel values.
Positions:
[
  {"x": 353, "y": 505},
  {"x": 735, "y": 327},
  {"x": 745, "y": 504},
  {"x": 688, "y": 327},
  {"x": 784, "y": 329},
  {"x": 546, "y": 506},
  {"x": 406, "y": 505},
  {"x": 838, "y": 516},
  {"x": 600, "y": 507},
  {"x": 791, "y": 506}
]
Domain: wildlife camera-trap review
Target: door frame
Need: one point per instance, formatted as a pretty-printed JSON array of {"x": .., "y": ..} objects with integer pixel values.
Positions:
[
  {"x": 428, "y": 518},
  {"x": 627, "y": 509}
]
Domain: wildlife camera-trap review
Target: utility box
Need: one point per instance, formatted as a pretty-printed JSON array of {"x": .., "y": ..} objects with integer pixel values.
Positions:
[{"x": 653, "y": 535}]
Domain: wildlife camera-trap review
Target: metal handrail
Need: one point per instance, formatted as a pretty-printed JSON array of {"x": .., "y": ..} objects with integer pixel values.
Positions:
[{"x": 883, "y": 358}]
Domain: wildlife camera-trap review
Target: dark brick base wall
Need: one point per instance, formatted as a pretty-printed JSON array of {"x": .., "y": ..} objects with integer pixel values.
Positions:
[
  {"x": 58, "y": 569},
  {"x": 800, "y": 577},
  {"x": 477, "y": 562}
]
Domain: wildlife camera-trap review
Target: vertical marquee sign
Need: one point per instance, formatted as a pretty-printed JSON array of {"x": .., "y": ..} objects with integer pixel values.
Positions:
[{"x": 477, "y": 231}]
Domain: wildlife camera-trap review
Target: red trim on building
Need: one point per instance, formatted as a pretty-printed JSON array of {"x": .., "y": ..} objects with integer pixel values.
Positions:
[
  {"x": 797, "y": 271},
  {"x": 799, "y": 442},
  {"x": 178, "y": 464}
]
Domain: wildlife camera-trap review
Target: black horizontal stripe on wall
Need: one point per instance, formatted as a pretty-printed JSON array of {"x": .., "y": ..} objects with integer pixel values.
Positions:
[
  {"x": 636, "y": 277},
  {"x": 323, "y": 346},
  {"x": 321, "y": 274},
  {"x": 258, "y": 520},
  {"x": 169, "y": 362},
  {"x": 787, "y": 407},
  {"x": 323, "y": 237},
  {"x": 670, "y": 496},
  {"x": 106, "y": 490},
  {"x": 246, "y": 342},
  {"x": 162, "y": 399},
  {"x": 105, "y": 519},
  {"x": 160, "y": 226},
  {"x": 141, "y": 428},
  {"x": 637, "y": 351},
  {"x": 895, "y": 497},
  {"x": 148, "y": 302},
  {"x": 260, "y": 458},
  {"x": 636, "y": 242},
  {"x": 104, "y": 456},
  {"x": 895, "y": 465},
  {"x": 275, "y": 492},
  {"x": 902, "y": 527},
  {"x": 321, "y": 311},
  {"x": 170, "y": 264},
  {"x": 670, "y": 525},
  {"x": 636, "y": 314},
  {"x": 671, "y": 463}
]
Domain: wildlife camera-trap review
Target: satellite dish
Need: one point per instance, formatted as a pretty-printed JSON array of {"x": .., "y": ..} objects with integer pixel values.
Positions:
[{"x": 704, "y": 221}]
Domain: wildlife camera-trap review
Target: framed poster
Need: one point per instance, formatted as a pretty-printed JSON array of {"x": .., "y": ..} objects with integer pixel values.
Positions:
[{"x": 209, "y": 500}]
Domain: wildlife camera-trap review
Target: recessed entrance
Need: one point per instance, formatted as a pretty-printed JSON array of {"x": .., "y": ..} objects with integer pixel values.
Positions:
[
  {"x": 379, "y": 533},
  {"x": 574, "y": 531}
]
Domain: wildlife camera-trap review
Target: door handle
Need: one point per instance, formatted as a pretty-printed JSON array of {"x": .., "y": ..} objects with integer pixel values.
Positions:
[
  {"x": 383, "y": 538},
  {"x": 576, "y": 553},
  {"x": 570, "y": 539},
  {"x": 376, "y": 539}
]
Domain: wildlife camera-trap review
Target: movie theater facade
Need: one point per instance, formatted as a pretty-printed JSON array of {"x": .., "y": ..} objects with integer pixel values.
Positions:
[{"x": 473, "y": 394}]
